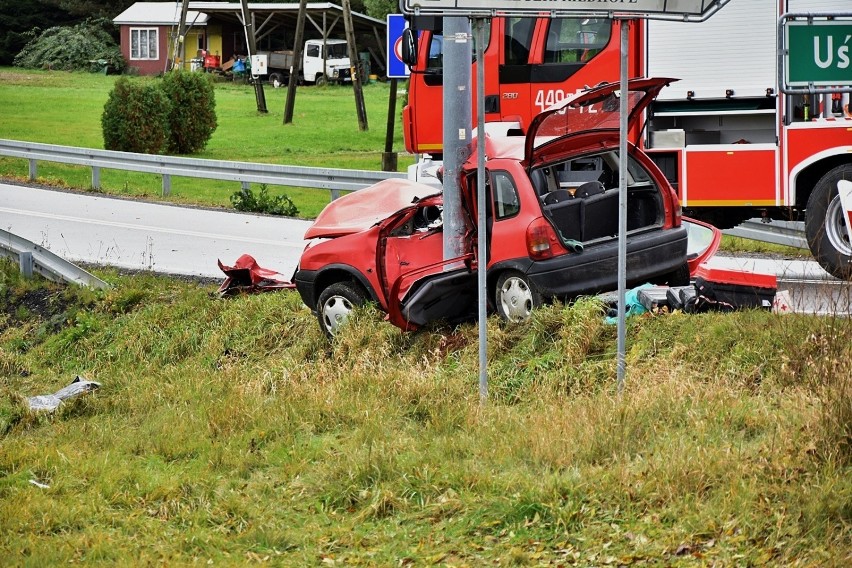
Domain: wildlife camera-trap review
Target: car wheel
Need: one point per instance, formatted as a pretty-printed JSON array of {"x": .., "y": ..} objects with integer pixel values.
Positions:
[
  {"x": 336, "y": 303},
  {"x": 825, "y": 226},
  {"x": 515, "y": 297},
  {"x": 276, "y": 80},
  {"x": 321, "y": 80}
]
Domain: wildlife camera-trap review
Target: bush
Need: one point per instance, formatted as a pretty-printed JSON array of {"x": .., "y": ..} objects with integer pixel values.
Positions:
[
  {"x": 192, "y": 115},
  {"x": 246, "y": 200},
  {"x": 136, "y": 118},
  {"x": 73, "y": 49},
  {"x": 177, "y": 115}
]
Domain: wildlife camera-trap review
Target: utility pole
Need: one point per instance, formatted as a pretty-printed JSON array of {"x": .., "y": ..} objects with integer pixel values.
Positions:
[
  {"x": 258, "y": 84},
  {"x": 457, "y": 129},
  {"x": 180, "y": 52},
  {"x": 353, "y": 66},
  {"x": 297, "y": 62},
  {"x": 389, "y": 157}
]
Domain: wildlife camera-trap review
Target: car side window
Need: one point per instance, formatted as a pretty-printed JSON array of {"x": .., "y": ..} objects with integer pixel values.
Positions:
[
  {"x": 313, "y": 51},
  {"x": 506, "y": 201}
]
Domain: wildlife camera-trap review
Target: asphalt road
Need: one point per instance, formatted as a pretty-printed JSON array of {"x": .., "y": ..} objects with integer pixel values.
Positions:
[{"x": 137, "y": 235}]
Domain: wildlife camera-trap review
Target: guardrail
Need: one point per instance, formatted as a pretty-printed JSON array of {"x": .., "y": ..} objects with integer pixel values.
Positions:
[
  {"x": 331, "y": 179},
  {"x": 334, "y": 180},
  {"x": 789, "y": 233},
  {"x": 34, "y": 258}
]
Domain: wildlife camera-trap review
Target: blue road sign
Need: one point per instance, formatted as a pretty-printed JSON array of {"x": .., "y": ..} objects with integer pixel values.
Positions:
[{"x": 396, "y": 68}]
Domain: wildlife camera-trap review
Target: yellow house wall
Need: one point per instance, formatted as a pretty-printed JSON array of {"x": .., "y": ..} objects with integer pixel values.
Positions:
[{"x": 214, "y": 40}]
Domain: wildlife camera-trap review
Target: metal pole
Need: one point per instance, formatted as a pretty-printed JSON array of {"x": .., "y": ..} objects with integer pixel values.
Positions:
[
  {"x": 457, "y": 126},
  {"x": 482, "y": 253},
  {"x": 622, "y": 206}
]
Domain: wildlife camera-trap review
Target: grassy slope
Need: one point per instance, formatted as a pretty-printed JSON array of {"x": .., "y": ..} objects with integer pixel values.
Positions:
[
  {"x": 229, "y": 430},
  {"x": 65, "y": 108}
]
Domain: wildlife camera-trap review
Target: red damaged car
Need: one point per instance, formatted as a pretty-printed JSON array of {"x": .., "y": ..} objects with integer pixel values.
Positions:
[{"x": 552, "y": 221}]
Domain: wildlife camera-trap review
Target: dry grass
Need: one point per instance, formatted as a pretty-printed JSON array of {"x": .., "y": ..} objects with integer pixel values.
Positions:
[{"x": 232, "y": 431}]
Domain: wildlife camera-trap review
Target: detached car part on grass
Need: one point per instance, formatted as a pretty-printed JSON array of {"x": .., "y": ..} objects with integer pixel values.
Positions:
[{"x": 552, "y": 218}]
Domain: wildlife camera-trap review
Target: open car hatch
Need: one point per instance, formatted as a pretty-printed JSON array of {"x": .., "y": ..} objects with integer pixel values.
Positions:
[{"x": 594, "y": 110}]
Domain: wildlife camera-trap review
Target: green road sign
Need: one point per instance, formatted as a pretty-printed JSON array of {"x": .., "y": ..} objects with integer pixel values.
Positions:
[{"x": 819, "y": 53}]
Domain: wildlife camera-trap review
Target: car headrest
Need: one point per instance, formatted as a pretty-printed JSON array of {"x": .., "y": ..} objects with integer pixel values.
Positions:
[
  {"x": 557, "y": 196},
  {"x": 589, "y": 188}
]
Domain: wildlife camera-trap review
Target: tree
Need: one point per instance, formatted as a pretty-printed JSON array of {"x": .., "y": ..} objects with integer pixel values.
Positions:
[
  {"x": 72, "y": 48},
  {"x": 380, "y": 8},
  {"x": 92, "y": 8},
  {"x": 21, "y": 22}
]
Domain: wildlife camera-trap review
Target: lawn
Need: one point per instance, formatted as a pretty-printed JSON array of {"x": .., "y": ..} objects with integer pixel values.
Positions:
[{"x": 65, "y": 108}]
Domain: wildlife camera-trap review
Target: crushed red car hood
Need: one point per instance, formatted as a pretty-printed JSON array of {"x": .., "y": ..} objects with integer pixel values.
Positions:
[{"x": 362, "y": 209}]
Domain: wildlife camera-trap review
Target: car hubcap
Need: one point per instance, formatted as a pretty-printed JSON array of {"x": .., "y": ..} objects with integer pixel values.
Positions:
[
  {"x": 516, "y": 300},
  {"x": 835, "y": 228},
  {"x": 334, "y": 312}
]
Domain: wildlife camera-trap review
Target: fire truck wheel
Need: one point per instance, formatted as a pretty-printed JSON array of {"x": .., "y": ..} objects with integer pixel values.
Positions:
[
  {"x": 515, "y": 297},
  {"x": 825, "y": 226},
  {"x": 336, "y": 303}
]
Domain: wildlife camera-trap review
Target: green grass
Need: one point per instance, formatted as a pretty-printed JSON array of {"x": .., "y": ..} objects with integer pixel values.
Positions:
[
  {"x": 231, "y": 431},
  {"x": 65, "y": 108},
  {"x": 739, "y": 245}
]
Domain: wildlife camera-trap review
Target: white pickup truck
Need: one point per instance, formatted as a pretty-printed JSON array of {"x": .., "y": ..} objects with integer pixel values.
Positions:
[{"x": 317, "y": 67}]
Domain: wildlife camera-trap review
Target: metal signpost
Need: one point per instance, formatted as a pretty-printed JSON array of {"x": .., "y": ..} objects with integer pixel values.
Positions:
[{"x": 479, "y": 11}]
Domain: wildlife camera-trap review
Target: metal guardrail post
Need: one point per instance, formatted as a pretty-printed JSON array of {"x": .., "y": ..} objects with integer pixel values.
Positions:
[
  {"x": 167, "y": 185},
  {"x": 33, "y": 169},
  {"x": 25, "y": 260},
  {"x": 96, "y": 177}
]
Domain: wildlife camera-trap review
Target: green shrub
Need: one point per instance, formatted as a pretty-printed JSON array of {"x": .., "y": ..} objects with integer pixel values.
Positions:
[
  {"x": 136, "y": 118},
  {"x": 73, "y": 49},
  {"x": 246, "y": 200},
  {"x": 192, "y": 115}
]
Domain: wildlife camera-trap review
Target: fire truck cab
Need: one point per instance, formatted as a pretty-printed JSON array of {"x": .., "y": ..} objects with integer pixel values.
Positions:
[{"x": 728, "y": 140}]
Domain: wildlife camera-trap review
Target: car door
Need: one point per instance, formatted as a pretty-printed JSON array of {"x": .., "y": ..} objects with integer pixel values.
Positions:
[{"x": 422, "y": 287}]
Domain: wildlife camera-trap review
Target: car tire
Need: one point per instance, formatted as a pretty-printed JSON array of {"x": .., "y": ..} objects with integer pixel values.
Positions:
[
  {"x": 336, "y": 303},
  {"x": 825, "y": 225},
  {"x": 515, "y": 297},
  {"x": 321, "y": 80},
  {"x": 276, "y": 80}
]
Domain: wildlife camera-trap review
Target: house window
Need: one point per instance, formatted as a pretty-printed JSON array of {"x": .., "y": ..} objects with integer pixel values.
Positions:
[{"x": 143, "y": 43}]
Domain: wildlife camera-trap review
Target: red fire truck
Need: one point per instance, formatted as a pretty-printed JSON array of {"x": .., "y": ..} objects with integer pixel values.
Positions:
[{"x": 729, "y": 141}]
